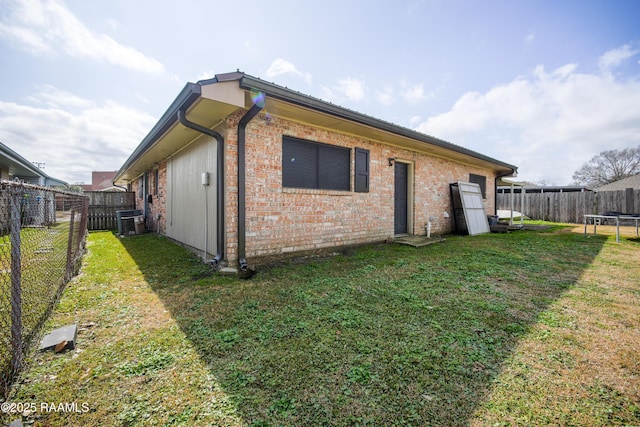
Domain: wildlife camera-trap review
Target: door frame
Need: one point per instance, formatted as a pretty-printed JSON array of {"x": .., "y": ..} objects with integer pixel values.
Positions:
[{"x": 410, "y": 195}]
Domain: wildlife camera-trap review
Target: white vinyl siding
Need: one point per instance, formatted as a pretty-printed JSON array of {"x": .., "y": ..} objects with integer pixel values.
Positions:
[{"x": 189, "y": 203}]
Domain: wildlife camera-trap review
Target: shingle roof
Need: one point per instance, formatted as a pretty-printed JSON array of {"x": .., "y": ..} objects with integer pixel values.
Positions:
[{"x": 623, "y": 184}]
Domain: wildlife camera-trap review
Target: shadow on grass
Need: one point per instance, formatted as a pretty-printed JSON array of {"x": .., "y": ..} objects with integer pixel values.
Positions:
[{"x": 387, "y": 335}]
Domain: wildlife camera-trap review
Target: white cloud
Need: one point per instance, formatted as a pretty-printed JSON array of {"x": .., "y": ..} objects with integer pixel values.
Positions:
[
  {"x": 205, "y": 75},
  {"x": 615, "y": 57},
  {"x": 48, "y": 26},
  {"x": 141, "y": 97},
  {"x": 530, "y": 38},
  {"x": 386, "y": 96},
  {"x": 282, "y": 66},
  {"x": 72, "y": 135},
  {"x": 348, "y": 88},
  {"x": 52, "y": 97},
  {"x": 353, "y": 89},
  {"x": 416, "y": 93},
  {"x": 548, "y": 123},
  {"x": 415, "y": 120},
  {"x": 113, "y": 23},
  {"x": 410, "y": 94}
]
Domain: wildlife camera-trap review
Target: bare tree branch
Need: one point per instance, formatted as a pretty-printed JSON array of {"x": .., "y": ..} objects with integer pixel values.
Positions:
[{"x": 608, "y": 166}]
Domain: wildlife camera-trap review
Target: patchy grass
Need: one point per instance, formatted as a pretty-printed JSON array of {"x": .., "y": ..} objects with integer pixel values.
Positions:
[
  {"x": 502, "y": 329},
  {"x": 133, "y": 365}
]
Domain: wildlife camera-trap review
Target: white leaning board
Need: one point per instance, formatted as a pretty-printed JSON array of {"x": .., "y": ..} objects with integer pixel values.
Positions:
[{"x": 473, "y": 206}]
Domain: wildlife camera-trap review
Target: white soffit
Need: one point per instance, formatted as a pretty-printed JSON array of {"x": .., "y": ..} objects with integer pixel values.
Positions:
[{"x": 225, "y": 92}]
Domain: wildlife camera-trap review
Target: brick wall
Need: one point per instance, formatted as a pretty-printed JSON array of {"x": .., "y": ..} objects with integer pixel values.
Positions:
[
  {"x": 156, "y": 214},
  {"x": 135, "y": 188},
  {"x": 230, "y": 133},
  {"x": 285, "y": 220}
]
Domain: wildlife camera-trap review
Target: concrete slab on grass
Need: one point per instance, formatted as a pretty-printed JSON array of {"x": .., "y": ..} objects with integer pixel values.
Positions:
[
  {"x": 417, "y": 241},
  {"x": 54, "y": 340},
  {"x": 228, "y": 271}
]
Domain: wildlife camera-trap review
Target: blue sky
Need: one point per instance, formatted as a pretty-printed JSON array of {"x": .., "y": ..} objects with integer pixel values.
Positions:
[{"x": 544, "y": 85}]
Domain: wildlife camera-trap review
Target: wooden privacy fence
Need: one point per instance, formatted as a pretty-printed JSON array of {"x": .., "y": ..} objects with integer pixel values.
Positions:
[
  {"x": 103, "y": 206},
  {"x": 570, "y": 206}
]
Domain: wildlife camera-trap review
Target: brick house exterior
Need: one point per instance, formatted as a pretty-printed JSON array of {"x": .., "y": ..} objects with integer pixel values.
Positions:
[
  {"x": 101, "y": 181},
  {"x": 286, "y": 209}
]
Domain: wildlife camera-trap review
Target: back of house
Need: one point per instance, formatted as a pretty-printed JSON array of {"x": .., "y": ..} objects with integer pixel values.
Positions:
[{"x": 245, "y": 171}]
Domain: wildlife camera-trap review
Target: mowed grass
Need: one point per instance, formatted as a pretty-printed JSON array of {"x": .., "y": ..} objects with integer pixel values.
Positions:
[{"x": 525, "y": 328}]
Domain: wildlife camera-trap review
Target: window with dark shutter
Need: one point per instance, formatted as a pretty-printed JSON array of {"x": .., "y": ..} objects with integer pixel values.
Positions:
[
  {"x": 481, "y": 181},
  {"x": 156, "y": 182},
  {"x": 141, "y": 187},
  {"x": 362, "y": 171},
  {"x": 307, "y": 164}
]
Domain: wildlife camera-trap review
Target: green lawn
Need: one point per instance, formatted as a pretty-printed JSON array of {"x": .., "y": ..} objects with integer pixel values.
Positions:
[{"x": 525, "y": 328}]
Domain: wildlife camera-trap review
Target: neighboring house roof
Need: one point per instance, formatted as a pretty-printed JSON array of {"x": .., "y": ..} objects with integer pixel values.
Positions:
[
  {"x": 19, "y": 167},
  {"x": 113, "y": 189},
  {"x": 208, "y": 102},
  {"x": 622, "y": 184}
]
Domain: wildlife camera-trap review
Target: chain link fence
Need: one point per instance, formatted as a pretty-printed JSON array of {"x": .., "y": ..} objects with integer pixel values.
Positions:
[{"x": 42, "y": 240}]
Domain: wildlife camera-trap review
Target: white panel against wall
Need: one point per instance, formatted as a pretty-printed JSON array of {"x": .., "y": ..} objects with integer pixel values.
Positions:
[
  {"x": 474, "y": 214},
  {"x": 190, "y": 204}
]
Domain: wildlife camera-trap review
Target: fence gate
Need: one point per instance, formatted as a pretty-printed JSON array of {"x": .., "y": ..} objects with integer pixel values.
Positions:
[{"x": 103, "y": 206}]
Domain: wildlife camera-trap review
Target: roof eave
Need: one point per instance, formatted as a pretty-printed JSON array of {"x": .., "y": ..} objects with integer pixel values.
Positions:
[
  {"x": 26, "y": 165},
  {"x": 189, "y": 94},
  {"x": 193, "y": 91}
]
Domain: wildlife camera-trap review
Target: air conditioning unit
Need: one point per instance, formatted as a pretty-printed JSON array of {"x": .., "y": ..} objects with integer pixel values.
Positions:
[{"x": 126, "y": 221}]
